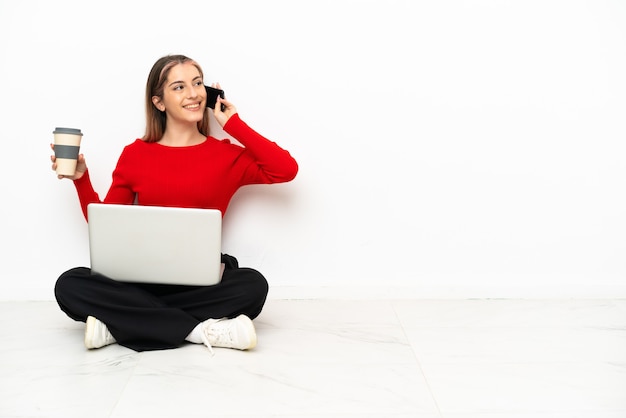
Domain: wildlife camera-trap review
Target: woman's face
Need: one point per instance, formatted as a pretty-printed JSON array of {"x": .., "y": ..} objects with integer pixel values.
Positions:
[{"x": 184, "y": 95}]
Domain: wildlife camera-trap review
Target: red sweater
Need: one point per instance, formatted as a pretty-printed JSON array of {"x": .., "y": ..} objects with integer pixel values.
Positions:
[{"x": 199, "y": 176}]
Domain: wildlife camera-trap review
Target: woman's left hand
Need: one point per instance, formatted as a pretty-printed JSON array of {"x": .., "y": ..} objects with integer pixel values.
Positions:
[{"x": 229, "y": 108}]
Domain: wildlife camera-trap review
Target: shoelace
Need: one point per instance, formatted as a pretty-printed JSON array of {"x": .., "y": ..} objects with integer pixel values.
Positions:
[
  {"x": 218, "y": 334},
  {"x": 206, "y": 342}
]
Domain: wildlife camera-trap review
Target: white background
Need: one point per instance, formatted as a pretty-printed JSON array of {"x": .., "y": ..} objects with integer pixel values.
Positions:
[{"x": 446, "y": 148}]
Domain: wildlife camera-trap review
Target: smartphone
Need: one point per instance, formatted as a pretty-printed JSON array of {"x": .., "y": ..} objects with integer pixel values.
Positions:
[{"x": 211, "y": 97}]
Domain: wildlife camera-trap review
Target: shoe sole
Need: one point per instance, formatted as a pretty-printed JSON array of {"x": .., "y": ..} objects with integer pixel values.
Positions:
[
  {"x": 251, "y": 331},
  {"x": 90, "y": 327}
]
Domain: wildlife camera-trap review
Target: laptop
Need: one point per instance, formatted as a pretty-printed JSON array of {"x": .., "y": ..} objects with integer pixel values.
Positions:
[{"x": 154, "y": 244}]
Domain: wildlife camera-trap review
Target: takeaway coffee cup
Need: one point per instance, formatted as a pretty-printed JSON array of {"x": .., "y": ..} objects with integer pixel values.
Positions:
[{"x": 66, "y": 147}]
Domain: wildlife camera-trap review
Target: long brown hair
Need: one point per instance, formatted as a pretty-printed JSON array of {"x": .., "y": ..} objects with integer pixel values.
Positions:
[{"x": 155, "y": 119}]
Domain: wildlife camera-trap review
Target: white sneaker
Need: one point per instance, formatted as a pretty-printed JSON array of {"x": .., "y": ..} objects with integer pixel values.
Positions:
[
  {"x": 97, "y": 334},
  {"x": 236, "y": 333}
]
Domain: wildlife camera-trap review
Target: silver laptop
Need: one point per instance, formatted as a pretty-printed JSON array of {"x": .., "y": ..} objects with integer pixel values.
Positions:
[{"x": 153, "y": 244}]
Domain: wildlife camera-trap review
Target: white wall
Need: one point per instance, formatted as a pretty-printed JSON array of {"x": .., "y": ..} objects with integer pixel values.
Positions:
[{"x": 446, "y": 148}]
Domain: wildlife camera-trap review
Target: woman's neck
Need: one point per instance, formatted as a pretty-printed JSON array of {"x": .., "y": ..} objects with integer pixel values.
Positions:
[{"x": 181, "y": 136}]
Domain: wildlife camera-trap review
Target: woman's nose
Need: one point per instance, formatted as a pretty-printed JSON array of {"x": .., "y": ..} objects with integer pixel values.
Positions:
[{"x": 193, "y": 93}]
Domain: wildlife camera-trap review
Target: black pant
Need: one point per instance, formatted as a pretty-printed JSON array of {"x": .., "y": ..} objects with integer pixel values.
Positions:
[{"x": 153, "y": 317}]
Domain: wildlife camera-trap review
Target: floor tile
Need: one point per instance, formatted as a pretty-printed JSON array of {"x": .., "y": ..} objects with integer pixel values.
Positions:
[
  {"x": 528, "y": 388},
  {"x": 272, "y": 387},
  {"x": 512, "y": 313},
  {"x": 517, "y": 345},
  {"x": 335, "y": 358}
]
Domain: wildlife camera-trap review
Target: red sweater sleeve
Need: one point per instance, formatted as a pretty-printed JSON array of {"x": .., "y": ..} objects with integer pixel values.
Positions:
[
  {"x": 118, "y": 193},
  {"x": 86, "y": 192},
  {"x": 272, "y": 164}
]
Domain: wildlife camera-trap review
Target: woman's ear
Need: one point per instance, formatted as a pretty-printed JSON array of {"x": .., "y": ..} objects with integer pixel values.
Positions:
[{"x": 156, "y": 101}]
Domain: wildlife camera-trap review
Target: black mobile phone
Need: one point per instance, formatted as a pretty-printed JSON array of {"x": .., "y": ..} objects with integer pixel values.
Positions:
[{"x": 211, "y": 96}]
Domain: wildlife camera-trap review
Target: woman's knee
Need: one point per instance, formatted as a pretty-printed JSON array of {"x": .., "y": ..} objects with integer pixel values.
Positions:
[
  {"x": 253, "y": 290},
  {"x": 257, "y": 282},
  {"x": 67, "y": 281},
  {"x": 67, "y": 291}
]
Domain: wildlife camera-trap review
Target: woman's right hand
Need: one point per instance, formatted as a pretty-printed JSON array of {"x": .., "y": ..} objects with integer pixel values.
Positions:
[{"x": 81, "y": 166}]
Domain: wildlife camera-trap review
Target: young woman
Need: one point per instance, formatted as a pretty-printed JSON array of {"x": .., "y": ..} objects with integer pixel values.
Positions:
[{"x": 177, "y": 164}]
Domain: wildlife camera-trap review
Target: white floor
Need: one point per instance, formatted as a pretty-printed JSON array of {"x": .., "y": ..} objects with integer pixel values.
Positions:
[{"x": 333, "y": 358}]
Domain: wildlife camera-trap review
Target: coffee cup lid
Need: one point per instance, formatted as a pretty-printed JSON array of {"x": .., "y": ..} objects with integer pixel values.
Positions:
[{"x": 71, "y": 131}]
